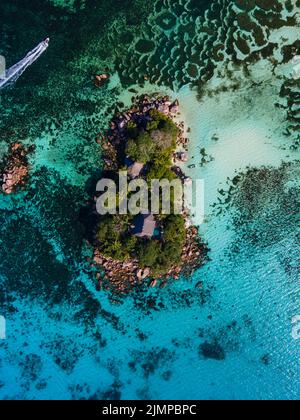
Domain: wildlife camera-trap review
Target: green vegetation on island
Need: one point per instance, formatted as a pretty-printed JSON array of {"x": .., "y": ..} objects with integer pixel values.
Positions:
[{"x": 151, "y": 142}]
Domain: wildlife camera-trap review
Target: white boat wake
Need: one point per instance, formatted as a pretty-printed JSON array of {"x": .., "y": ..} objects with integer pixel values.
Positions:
[
  {"x": 296, "y": 67},
  {"x": 14, "y": 72}
]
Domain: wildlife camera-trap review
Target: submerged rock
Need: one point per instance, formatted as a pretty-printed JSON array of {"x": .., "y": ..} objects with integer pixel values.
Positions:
[
  {"x": 101, "y": 79},
  {"x": 15, "y": 169},
  {"x": 212, "y": 351}
]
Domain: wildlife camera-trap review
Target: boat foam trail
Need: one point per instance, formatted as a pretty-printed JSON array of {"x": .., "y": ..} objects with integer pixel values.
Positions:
[{"x": 14, "y": 72}]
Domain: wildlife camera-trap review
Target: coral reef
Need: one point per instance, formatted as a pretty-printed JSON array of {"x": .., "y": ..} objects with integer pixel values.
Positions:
[
  {"x": 290, "y": 92},
  {"x": 183, "y": 42},
  {"x": 212, "y": 351}
]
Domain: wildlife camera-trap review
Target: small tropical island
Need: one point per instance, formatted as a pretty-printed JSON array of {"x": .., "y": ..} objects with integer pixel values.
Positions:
[
  {"x": 14, "y": 168},
  {"x": 146, "y": 141}
]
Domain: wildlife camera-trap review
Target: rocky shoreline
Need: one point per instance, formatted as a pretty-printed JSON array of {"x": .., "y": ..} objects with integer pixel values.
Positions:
[
  {"x": 116, "y": 135},
  {"x": 122, "y": 277},
  {"x": 15, "y": 169}
]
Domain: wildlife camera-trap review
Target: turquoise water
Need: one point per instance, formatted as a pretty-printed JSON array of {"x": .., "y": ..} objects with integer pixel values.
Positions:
[{"x": 66, "y": 340}]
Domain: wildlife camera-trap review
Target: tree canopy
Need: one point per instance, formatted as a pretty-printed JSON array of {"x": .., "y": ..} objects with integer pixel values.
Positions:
[
  {"x": 152, "y": 141},
  {"x": 157, "y": 138}
]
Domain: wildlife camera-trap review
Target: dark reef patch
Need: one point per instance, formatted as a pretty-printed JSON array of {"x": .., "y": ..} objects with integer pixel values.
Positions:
[
  {"x": 267, "y": 200},
  {"x": 217, "y": 343},
  {"x": 31, "y": 367},
  {"x": 29, "y": 264},
  {"x": 65, "y": 352},
  {"x": 113, "y": 393},
  {"x": 265, "y": 359},
  {"x": 148, "y": 362},
  {"x": 41, "y": 385},
  {"x": 212, "y": 351},
  {"x": 153, "y": 300},
  {"x": 144, "y": 46},
  {"x": 58, "y": 204},
  {"x": 262, "y": 202},
  {"x": 167, "y": 375},
  {"x": 79, "y": 391}
]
